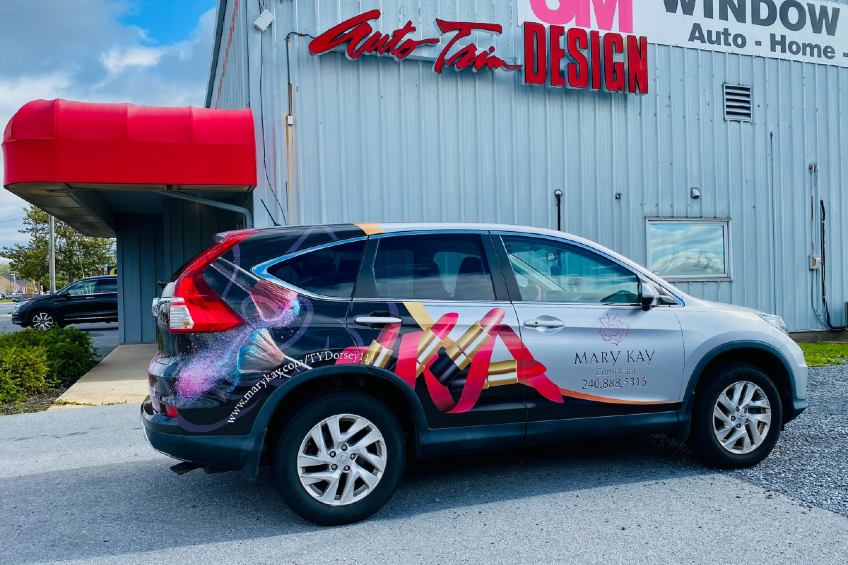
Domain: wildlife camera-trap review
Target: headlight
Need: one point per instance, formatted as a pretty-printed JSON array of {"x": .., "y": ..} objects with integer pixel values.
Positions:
[{"x": 775, "y": 321}]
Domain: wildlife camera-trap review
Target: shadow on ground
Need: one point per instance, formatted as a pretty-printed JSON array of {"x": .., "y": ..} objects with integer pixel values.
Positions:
[{"x": 142, "y": 506}]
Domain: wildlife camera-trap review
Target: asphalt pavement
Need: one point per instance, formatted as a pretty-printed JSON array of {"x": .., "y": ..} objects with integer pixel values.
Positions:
[
  {"x": 104, "y": 336},
  {"x": 83, "y": 485}
]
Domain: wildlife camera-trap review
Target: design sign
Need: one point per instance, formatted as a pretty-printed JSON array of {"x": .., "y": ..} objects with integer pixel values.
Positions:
[
  {"x": 809, "y": 31},
  {"x": 578, "y": 58}
]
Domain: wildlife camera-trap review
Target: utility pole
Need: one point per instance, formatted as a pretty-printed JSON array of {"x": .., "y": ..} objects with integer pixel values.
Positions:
[{"x": 52, "y": 254}]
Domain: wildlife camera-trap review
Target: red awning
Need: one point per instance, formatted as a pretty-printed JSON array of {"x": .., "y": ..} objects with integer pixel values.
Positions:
[
  {"x": 76, "y": 142},
  {"x": 67, "y": 157}
]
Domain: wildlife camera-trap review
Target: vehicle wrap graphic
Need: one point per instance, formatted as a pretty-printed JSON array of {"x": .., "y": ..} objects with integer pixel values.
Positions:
[
  {"x": 456, "y": 372},
  {"x": 451, "y": 357}
]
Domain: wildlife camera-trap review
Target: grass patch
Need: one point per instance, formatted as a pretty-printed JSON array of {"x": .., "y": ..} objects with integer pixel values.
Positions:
[{"x": 825, "y": 353}]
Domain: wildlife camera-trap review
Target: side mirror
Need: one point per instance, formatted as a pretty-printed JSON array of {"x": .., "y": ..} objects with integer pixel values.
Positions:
[{"x": 648, "y": 296}]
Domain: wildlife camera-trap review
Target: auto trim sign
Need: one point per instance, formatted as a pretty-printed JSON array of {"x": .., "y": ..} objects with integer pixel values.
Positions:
[
  {"x": 577, "y": 58},
  {"x": 809, "y": 31}
]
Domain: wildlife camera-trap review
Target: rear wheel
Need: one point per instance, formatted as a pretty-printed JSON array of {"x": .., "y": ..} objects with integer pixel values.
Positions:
[
  {"x": 340, "y": 458},
  {"x": 43, "y": 320},
  {"x": 737, "y": 417}
]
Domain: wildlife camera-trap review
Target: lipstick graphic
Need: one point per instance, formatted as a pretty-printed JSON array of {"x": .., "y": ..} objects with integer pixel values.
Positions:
[
  {"x": 512, "y": 372},
  {"x": 379, "y": 353},
  {"x": 432, "y": 340},
  {"x": 457, "y": 356}
]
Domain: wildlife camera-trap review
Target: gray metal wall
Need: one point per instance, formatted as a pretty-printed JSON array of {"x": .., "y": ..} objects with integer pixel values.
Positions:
[
  {"x": 141, "y": 262},
  {"x": 379, "y": 141},
  {"x": 150, "y": 249}
]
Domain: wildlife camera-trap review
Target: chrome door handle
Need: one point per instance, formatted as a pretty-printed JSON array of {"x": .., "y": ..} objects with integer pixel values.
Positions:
[
  {"x": 544, "y": 323},
  {"x": 377, "y": 320}
]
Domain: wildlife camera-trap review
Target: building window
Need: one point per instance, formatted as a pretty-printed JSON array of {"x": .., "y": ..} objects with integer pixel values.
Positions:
[{"x": 689, "y": 250}]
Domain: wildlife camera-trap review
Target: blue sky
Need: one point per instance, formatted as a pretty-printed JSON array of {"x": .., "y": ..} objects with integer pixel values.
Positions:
[
  {"x": 166, "y": 21},
  {"x": 153, "y": 52}
]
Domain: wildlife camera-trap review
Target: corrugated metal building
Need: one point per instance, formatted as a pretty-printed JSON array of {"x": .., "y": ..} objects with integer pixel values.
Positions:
[
  {"x": 685, "y": 179},
  {"x": 726, "y": 176}
]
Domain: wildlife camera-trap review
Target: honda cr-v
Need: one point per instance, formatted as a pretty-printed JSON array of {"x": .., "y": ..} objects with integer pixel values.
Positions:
[{"x": 339, "y": 354}]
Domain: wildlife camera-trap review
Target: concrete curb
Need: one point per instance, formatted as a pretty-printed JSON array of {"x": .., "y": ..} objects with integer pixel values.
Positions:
[{"x": 120, "y": 378}]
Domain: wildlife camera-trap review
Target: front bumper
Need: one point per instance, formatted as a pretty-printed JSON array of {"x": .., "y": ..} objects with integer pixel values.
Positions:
[
  {"x": 798, "y": 406},
  {"x": 17, "y": 319},
  {"x": 212, "y": 452}
]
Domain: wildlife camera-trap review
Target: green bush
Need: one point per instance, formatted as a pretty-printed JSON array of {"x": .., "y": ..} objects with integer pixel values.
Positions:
[
  {"x": 23, "y": 371},
  {"x": 64, "y": 354}
]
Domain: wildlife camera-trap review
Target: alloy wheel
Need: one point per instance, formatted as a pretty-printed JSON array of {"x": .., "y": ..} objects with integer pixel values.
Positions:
[
  {"x": 43, "y": 321},
  {"x": 742, "y": 417},
  {"x": 342, "y": 459}
]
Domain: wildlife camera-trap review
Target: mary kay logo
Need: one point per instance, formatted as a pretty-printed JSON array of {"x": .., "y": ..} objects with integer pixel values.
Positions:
[
  {"x": 599, "y": 14},
  {"x": 613, "y": 329}
]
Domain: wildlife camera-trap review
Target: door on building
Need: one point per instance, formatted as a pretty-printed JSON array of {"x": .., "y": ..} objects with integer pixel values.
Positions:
[
  {"x": 445, "y": 295},
  {"x": 580, "y": 316}
]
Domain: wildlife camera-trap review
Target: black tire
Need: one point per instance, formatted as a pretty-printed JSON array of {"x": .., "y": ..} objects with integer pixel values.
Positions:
[
  {"x": 703, "y": 440},
  {"x": 285, "y": 458},
  {"x": 38, "y": 318}
]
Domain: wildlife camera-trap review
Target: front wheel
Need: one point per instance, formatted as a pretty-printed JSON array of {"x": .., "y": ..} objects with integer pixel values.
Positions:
[
  {"x": 340, "y": 459},
  {"x": 43, "y": 320},
  {"x": 737, "y": 417}
]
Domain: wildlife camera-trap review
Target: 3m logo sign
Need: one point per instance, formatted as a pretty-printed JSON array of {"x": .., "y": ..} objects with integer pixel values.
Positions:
[{"x": 606, "y": 15}]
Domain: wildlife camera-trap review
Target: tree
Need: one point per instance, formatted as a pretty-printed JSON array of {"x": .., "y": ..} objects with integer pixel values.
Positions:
[{"x": 77, "y": 255}]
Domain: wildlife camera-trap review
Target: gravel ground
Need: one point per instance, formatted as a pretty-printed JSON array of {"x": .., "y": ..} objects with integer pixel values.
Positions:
[{"x": 810, "y": 461}]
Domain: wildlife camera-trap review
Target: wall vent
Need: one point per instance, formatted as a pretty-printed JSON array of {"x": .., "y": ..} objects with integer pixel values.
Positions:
[{"x": 737, "y": 103}]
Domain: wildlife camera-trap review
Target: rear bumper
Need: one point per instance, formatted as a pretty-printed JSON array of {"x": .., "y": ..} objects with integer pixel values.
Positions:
[{"x": 218, "y": 452}]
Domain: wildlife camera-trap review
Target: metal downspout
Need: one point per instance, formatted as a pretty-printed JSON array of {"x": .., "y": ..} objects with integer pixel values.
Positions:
[{"x": 248, "y": 217}]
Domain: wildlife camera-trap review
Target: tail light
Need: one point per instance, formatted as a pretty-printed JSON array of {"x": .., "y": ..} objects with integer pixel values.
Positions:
[{"x": 194, "y": 307}]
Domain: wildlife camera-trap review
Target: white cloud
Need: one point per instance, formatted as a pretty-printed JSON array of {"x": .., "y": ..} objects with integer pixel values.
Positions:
[
  {"x": 14, "y": 93},
  {"x": 116, "y": 60},
  {"x": 80, "y": 50}
]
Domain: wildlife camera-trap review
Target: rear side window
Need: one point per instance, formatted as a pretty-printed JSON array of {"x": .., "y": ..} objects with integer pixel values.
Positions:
[
  {"x": 432, "y": 267},
  {"x": 106, "y": 286},
  {"x": 330, "y": 271}
]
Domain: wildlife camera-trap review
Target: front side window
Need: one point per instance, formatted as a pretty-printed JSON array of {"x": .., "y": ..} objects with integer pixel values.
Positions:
[
  {"x": 433, "y": 267},
  {"x": 81, "y": 288},
  {"x": 552, "y": 271},
  {"x": 689, "y": 250},
  {"x": 330, "y": 271}
]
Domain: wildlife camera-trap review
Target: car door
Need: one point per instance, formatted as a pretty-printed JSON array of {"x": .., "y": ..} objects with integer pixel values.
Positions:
[
  {"x": 78, "y": 301},
  {"x": 105, "y": 305},
  {"x": 581, "y": 318},
  {"x": 430, "y": 308}
]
